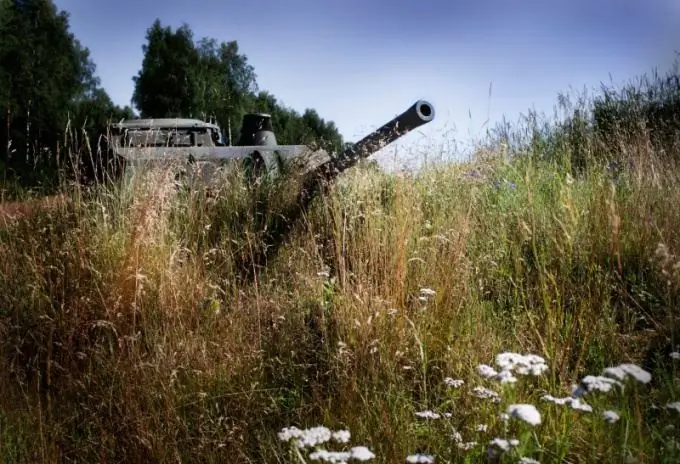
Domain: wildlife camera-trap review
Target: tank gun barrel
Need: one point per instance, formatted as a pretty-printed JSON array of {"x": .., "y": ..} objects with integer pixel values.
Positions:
[{"x": 420, "y": 113}]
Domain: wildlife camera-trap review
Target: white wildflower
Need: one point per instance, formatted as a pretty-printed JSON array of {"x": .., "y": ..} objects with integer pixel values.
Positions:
[
  {"x": 560, "y": 401},
  {"x": 610, "y": 416},
  {"x": 575, "y": 403},
  {"x": 506, "y": 377},
  {"x": 427, "y": 292},
  {"x": 466, "y": 446},
  {"x": 289, "y": 433},
  {"x": 504, "y": 444},
  {"x": 622, "y": 371},
  {"x": 330, "y": 456},
  {"x": 486, "y": 371},
  {"x": 428, "y": 414},
  {"x": 361, "y": 453},
  {"x": 342, "y": 349},
  {"x": 420, "y": 458},
  {"x": 529, "y": 364},
  {"x": 453, "y": 383},
  {"x": 341, "y": 436},
  {"x": 581, "y": 406},
  {"x": 637, "y": 373},
  {"x": 524, "y": 460},
  {"x": 504, "y": 416},
  {"x": 597, "y": 383},
  {"x": 457, "y": 437},
  {"x": 306, "y": 438},
  {"x": 675, "y": 355},
  {"x": 485, "y": 393},
  {"x": 526, "y": 412},
  {"x": 481, "y": 427},
  {"x": 675, "y": 405},
  {"x": 322, "y": 274}
]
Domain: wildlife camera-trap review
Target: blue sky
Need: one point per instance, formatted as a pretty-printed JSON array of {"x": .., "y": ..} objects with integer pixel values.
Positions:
[{"x": 359, "y": 63}]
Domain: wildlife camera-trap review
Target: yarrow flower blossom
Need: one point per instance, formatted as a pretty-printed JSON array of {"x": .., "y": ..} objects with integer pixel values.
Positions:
[
  {"x": 420, "y": 458},
  {"x": 341, "y": 436},
  {"x": 504, "y": 444},
  {"x": 306, "y": 438},
  {"x": 610, "y": 378},
  {"x": 575, "y": 403},
  {"x": 466, "y": 446},
  {"x": 427, "y": 292},
  {"x": 330, "y": 456},
  {"x": 675, "y": 405},
  {"x": 498, "y": 446},
  {"x": 526, "y": 412},
  {"x": 486, "y": 371},
  {"x": 485, "y": 393},
  {"x": 513, "y": 363},
  {"x": 529, "y": 364},
  {"x": 675, "y": 355},
  {"x": 313, "y": 436},
  {"x": 359, "y": 453},
  {"x": 622, "y": 371},
  {"x": 453, "y": 383},
  {"x": 524, "y": 460},
  {"x": 600, "y": 383},
  {"x": 506, "y": 377},
  {"x": 428, "y": 414},
  {"x": 610, "y": 416}
]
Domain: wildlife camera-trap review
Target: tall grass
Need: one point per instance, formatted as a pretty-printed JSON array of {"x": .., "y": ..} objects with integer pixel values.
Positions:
[{"x": 139, "y": 324}]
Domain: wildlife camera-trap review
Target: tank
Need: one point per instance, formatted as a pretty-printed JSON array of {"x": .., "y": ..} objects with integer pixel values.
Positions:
[{"x": 156, "y": 142}]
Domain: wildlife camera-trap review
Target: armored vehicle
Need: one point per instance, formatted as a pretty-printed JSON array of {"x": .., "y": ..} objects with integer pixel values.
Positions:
[{"x": 160, "y": 141}]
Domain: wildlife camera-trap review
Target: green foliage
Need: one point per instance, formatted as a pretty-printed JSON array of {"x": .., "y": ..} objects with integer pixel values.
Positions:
[
  {"x": 126, "y": 314},
  {"x": 54, "y": 115},
  {"x": 650, "y": 107},
  {"x": 48, "y": 84},
  {"x": 618, "y": 126},
  {"x": 204, "y": 79},
  {"x": 131, "y": 330},
  {"x": 292, "y": 128}
]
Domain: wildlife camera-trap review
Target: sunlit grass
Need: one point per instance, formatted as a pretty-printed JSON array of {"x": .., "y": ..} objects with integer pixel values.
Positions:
[{"x": 481, "y": 310}]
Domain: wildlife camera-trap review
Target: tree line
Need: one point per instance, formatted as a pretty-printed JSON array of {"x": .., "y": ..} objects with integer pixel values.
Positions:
[{"x": 52, "y": 104}]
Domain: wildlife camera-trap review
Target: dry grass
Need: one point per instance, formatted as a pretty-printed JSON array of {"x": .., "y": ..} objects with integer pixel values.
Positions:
[{"x": 131, "y": 332}]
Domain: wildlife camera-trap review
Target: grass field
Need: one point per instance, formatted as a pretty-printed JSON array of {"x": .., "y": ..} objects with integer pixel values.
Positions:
[{"x": 507, "y": 308}]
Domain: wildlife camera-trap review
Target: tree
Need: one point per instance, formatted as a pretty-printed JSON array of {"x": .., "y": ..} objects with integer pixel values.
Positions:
[
  {"x": 46, "y": 76},
  {"x": 224, "y": 82},
  {"x": 166, "y": 84},
  {"x": 211, "y": 80}
]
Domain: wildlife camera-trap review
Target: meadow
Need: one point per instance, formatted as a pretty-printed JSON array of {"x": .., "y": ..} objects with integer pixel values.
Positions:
[{"x": 521, "y": 306}]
